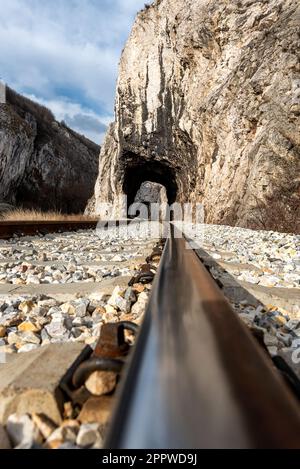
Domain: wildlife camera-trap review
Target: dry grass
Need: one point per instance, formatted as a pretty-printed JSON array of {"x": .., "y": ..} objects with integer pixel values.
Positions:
[{"x": 35, "y": 215}]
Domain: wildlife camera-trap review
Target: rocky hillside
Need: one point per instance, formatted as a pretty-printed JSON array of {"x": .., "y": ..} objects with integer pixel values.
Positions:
[
  {"x": 208, "y": 104},
  {"x": 43, "y": 164}
]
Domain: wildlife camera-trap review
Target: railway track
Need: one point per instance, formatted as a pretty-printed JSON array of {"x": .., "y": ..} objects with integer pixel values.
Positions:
[
  {"x": 196, "y": 377},
  {"x": 9, "y": 229}
]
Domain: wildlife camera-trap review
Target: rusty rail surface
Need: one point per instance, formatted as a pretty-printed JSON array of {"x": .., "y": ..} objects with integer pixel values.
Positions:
[
  {"x": 9, "y": 229},
  {"x": 197, "y": 378}
]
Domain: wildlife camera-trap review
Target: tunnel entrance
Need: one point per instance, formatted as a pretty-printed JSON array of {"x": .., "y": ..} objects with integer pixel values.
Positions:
[
  {"x": 139, "y": 172},
  {"x": 149, "y": 193}
]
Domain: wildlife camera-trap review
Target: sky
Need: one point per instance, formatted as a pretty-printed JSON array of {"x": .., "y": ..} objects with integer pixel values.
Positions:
[{"x": 65, "y": 54}]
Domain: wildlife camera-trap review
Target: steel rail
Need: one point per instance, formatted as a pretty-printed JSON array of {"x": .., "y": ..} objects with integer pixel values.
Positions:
[
  {"x": 197, "y": 378},
  {"x": 8, "y": 229}
]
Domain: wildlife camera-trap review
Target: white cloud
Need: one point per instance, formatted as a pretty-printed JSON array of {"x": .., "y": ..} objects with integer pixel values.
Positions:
[
  {"x": 65, "y": 50},
  {"x": 77, "y": 117}
]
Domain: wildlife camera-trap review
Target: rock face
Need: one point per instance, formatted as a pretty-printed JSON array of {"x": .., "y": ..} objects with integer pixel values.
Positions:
[
  {"x": 208, "y": 104},
  {"x": 151, "y": 192},
  {"x": 43, "y": 164}
]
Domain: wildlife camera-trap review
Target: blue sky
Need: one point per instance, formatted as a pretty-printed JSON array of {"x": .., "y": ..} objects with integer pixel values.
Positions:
[{"x": 65, "y": 54}]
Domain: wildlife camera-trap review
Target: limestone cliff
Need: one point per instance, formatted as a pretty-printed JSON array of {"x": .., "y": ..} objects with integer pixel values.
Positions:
[
  {"x": 43, "y": 164},
  {"x": 208, "y": 104}
]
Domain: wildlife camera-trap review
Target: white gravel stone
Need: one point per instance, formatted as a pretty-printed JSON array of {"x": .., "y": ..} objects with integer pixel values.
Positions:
[
  {"x": 21, "y": 431},
  {"x": 66, "y": 434},
  {"x": 81, "y": 308},
  {"x": 293, "y": 324},
  {"x": 118, "y": 301},
  {"x": 56, "y": 328},
  {"x": 48, "y": 303},
  {"x": 295, "y": 343},
  {"x": 273, "y": 351},
  {"x": 88, "y": 435},
  {"x": 62, "y": 259},
  {"x": 270, "y": 340},
  {"x": 139, "y": 307},
  {"x": 30, "y": 338},
  {"x": 285, "y": 338},
  {"x": 27, "y": 348}
]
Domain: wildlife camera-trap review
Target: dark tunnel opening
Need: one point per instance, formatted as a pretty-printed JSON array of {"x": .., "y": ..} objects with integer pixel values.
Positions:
[{"x": 154, "y": 171}]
